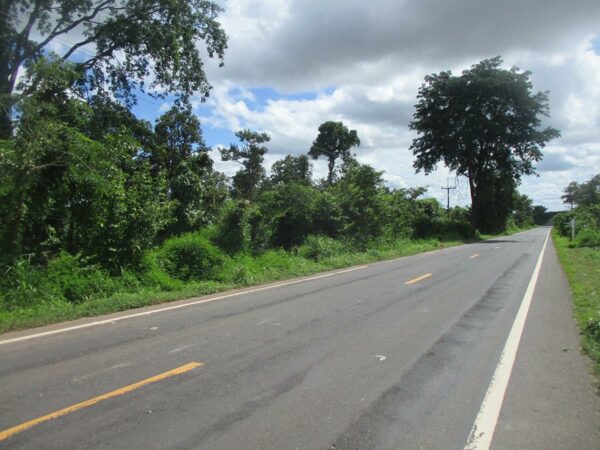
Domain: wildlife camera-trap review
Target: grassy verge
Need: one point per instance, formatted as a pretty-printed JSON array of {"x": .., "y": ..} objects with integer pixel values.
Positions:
[
  {"x": 582, "y": 267},
  {"x": 240, "y": 271}
]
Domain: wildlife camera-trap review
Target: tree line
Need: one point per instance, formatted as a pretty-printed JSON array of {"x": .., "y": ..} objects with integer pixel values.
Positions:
[
  {"x": 584, "y": 202},
  {"x": 84, "y": 181}
]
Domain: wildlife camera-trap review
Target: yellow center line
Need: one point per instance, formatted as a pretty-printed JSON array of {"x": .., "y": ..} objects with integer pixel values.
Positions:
[
  {"x": 416, "y": 280},
  {"x": 474, "y": 256},
  {"x": 69, "y": 409}
]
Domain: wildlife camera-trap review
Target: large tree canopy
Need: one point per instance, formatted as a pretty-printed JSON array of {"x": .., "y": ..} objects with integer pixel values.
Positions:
[
  {"x": 123, "y": 42},
  {"x": 484, "y": 124}
]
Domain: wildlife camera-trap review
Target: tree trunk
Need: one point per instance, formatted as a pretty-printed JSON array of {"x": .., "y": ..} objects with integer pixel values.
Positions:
[
  {"x": 475, "y": 208},
  {"x": 331, "y": 166}
]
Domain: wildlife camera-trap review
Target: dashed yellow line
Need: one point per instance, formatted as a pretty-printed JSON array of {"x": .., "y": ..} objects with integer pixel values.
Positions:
[
  {"x": 416, "y": 280},
  {"x": 69, "y": 409},
  {"x": 474, "y": 256}
]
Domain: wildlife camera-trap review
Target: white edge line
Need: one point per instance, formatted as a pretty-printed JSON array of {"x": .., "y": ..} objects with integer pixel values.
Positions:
[
  {"x": 485, "y": 423},
  {"x": 173, "y": 307}
]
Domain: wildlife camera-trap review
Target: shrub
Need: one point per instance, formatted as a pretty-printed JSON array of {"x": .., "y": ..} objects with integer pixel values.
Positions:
[
  {"x": 190, "y": 257},
  {"x": 66, "y": 277},
  {"x": 22, "y": 285},
  {"x": 588, "y": 238},
  {"x": 592, "y": 328},
  {"x": 233, "y": 233},
  {"x": 75, "y": 279},
  {"x": 442, "y": 228},
  {"x": 320, "y": 247}
]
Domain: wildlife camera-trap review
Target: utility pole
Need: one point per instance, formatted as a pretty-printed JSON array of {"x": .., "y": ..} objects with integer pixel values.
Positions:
[{"x": 448, "y": 189}]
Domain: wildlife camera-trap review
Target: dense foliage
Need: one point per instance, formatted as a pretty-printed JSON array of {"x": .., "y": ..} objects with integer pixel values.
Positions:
[
  {"x": 584, "y": 199},
  {"x": 123, "y": 42},
  {"x": 95, "y": 202}
]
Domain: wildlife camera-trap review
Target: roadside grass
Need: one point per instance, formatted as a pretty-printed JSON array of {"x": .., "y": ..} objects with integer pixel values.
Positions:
[
  {"x": 582, "y": 267},
  {"x": 238, "y": 271},
  {"x": 43, "y": 307}
]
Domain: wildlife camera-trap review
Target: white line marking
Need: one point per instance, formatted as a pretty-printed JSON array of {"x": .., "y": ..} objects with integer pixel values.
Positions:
[
  {"x": 381, "y": 357},
  {"x": 173, "y": 307},
  {"x": 485, "y": 423}
]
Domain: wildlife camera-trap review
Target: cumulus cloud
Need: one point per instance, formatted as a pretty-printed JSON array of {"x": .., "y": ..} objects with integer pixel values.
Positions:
[{"x": 364, "y": 62}]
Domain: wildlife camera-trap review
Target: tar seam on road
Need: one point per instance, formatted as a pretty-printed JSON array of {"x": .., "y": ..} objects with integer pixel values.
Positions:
[
  {"x": 170, "y": 308},
  {"x": 5, "y": 434},
  {"x": 485, "y": 423}
]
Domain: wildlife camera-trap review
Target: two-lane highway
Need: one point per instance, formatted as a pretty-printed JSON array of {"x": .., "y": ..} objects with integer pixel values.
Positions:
[{"x": 398, "y": 354}]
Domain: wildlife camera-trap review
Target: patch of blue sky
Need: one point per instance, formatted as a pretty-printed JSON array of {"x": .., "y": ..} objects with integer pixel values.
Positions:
[
  {"x": 214, "y": 136},
  {"x": 596, "y": 45}
]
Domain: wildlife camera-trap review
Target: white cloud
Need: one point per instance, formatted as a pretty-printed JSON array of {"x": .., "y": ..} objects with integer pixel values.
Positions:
[{"x": 366, "y": 61}]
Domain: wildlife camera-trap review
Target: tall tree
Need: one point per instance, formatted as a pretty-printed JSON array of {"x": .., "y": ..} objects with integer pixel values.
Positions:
[
  {"x": 570, "y": 192},
  {"x": 334, "y": 141},
  {"x": 248, "y": 180},
  {"x": 192, "y": 185},
  {"x": 484, "y": 124},
  {"x": 122, "y": 43}
]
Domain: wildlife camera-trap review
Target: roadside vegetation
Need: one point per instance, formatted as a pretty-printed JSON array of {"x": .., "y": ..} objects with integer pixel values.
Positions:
[
  {"x": 102, "y": 211},
  {"x": 580, "y": 258}
]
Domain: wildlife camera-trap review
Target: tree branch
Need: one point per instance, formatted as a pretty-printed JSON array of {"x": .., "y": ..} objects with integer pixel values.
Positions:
[{"x": 57, "y": 32}]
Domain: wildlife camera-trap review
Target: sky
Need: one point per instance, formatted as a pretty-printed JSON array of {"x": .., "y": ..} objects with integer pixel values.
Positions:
[{"x": 294, "y": 64}]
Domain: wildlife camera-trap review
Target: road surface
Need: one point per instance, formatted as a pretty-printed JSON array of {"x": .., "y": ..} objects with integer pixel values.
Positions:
[{"x": 394, "y": 355}]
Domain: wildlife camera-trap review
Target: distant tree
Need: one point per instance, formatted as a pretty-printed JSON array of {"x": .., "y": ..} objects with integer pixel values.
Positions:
[
  {"x": 522, "y": 210},
  {"x": 540, "y": 215},
  {"x": 588, "y": 193},
  {"x": 291, "y": 169},
  {"x": 334, "y": 141},
  {"x": 485, "y": 125},
  {"x": 248, "y": 180},
  {"x": 359, "y": 194},
  {"x": 570, "y": 193},
  {"x": 151, "y": 37}
]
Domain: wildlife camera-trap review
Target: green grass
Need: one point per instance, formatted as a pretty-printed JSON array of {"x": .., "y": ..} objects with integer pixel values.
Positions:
[
  {"x": 238, "y": 271},
  {"x": 156, "y": 287},
  {"x": 582, "y": 267}
]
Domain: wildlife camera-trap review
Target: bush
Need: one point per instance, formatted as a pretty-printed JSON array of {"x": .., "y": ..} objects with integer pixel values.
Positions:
[
  {"x": 22, "y": 286},
  {"x": 67, "y": 277},
  {"x": 592, "y": 328},
  {"x": 75, "y": 279},
  {"x": 190, "y": 257},
  {"x": 234, "y": 230},
  {"x": 585, "y": 219},
  {"x": 442, "y": 228},
  {"x": 588, "y": 238},
  {"x": 320, "y": 247}
]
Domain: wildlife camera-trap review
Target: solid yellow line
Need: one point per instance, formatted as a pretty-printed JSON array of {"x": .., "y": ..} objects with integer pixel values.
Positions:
[
  {"x": 416, "y": 280},
  {"x": 69, "y": 409},
  {"x": 474, "y": 256}
]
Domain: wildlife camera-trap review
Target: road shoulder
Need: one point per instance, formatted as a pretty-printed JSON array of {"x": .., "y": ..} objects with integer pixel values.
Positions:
[{"x": 552, "y": 400}]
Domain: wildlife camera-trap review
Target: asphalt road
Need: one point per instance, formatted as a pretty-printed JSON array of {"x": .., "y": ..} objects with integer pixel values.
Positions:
[{"x": 394, "y": 355}]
